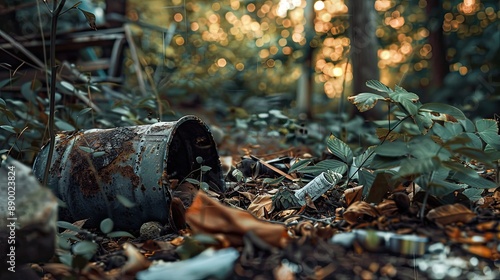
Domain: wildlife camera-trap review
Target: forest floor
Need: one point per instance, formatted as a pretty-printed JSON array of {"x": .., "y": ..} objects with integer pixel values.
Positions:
[
  {"x": 315, "y": 241},
  {"x": 259, "y": 231}
]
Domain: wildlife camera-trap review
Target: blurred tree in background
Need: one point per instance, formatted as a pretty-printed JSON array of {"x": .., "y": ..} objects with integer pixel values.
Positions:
[
  {"x": 302, "y": 55},
  {"x": 231, "y": 50},
  {"x": 232, "y": 59}
]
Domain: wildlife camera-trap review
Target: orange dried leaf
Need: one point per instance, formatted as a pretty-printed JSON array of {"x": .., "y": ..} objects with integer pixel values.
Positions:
[
  {"x": 260, "y": 204},
  {"x": 353, "y": 194},
  {"x": 209, "y": 216},
  {"x": 177, "y": 241},
  {"x": 451, "y": 213},
  {"x": 480, "y": 250},
  {"x": 135, "y": 260},
  {"x": 388, "y": 208},
  {"x": 358, "y": 211}
]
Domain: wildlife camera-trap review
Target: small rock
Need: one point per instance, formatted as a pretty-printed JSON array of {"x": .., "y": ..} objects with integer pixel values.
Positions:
[
  {"x": 150, "y": 230},
  {"x": 28, "y": 215}
]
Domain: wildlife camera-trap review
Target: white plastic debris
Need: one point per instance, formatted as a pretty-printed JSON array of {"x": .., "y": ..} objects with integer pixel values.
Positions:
[
  {"x": 318, "y": 186},
  {"x": 211, "y": 263}
]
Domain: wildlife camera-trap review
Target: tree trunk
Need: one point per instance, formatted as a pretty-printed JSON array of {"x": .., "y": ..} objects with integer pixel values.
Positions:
[
  {"x": 305, "y": 84},
  {"x": 364, "y": 44},
  {"x": 116, "y": 7},
  {"x": 438, "y": 64}
]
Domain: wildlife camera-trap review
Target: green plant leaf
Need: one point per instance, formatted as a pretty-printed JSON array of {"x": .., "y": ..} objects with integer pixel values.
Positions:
[
  {"x": 476, "y": 154},
  {"x": 116, "y": 234},
  {"x": 424, "y": 147},
  {"x": 273, "y": 181},
  {"x": 8, "y": 114},
  {"x": 324, "y": 165},
  {"x": 8, "y": 128},
  {"x": 458, "y": 141},
  {"x": 473, "y": 194},
  {"x": 468, "y": 125},
  {"x": 439, "y": 187},
  {"x": 488, "y": 131},
  {"x": 423, "y": 121},
  {"x": 106, "y": 225},
  {"x": 66, "y": 258},
  {"x": 366, "y": 178},
  {"x": 84, "y": 111},
  {"x": 365, "y": 158},
  {"x": 205, "y": 168},
  {"x": 417, "y": 166},
  {"x": 86, "y": 149},
  {"x": 63, "y": 242},
  {"x": 408, "y": 100},
  {"x": 98, "y": 154},
  {"x": 64, "y": 126},
  {"x": 125, "y": 201},
  {"x": 199, "y": 160},
  {"x": 365, "y": 101},
  {"x": 28, "y": 90},
  {"x": 443, "y": 109},
  {"x": 474, "y": 180},
  {"x": 442, "y": 132},
  {"x": 475, "y": 141},
  {"x": 9, "y": 81},
  {"x": 204, "y": 186},
  {"x": 382, "y": 162},
  {"x": 192, "y": 181},
  {"x": 66, "y": 225},
  {"x": 454, "y": 128},
  {"x": 339, "y": 149},
  {"x": 377, "y": 85},
  {"x": 122, "y": 111},
  {"x": 296, "y": 166},
  {"x": 393, "y": 149},
  {"x": 84, "y": 248}
]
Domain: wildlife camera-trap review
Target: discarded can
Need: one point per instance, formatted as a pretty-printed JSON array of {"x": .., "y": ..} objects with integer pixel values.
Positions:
[
  {"x": 95, "y": 171},
  {"x": 318, "y": 186},
  {"x": 382, "y": 241}
]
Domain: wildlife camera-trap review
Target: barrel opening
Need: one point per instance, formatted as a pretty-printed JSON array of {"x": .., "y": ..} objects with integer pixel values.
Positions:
[{"x": 192, "y": 139}]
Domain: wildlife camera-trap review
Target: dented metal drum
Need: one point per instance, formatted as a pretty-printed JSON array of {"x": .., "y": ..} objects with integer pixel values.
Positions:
[{"x": 90, "y": 169}]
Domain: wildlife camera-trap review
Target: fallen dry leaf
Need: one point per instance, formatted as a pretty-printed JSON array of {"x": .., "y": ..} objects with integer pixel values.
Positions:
[
  {"x": 260, "y": 204},
  {"x": 135, "y": 260},
  {"x": 248, "y": 195},
  {"x": 483, "y": 251},
  {"x": 353, "y": 194},
  {"x": 358, "y": 211},
  {"x": 209, "y": 216},
  {"x": 388, "y": 208},
  {"x": 451, "y": 213},
  {"x": 57, "y": 270}
]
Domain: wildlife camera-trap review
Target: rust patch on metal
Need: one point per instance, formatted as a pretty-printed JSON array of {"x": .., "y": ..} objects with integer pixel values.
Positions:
[
  {"x": 62, "y": 141},
  {"x": 128, "y": 172},
  {"x": 89, "y": 171},
  {"x": 83, "y": 172}
]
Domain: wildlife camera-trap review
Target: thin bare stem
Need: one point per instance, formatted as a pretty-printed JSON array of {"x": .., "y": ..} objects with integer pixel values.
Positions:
[
  {"x": 373, "y": 151},
  {"x": 52, "y": 86}
]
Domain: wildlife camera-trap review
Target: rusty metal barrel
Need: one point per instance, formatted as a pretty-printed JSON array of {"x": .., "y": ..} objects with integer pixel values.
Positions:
[{"x": 92, "y": 169}]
